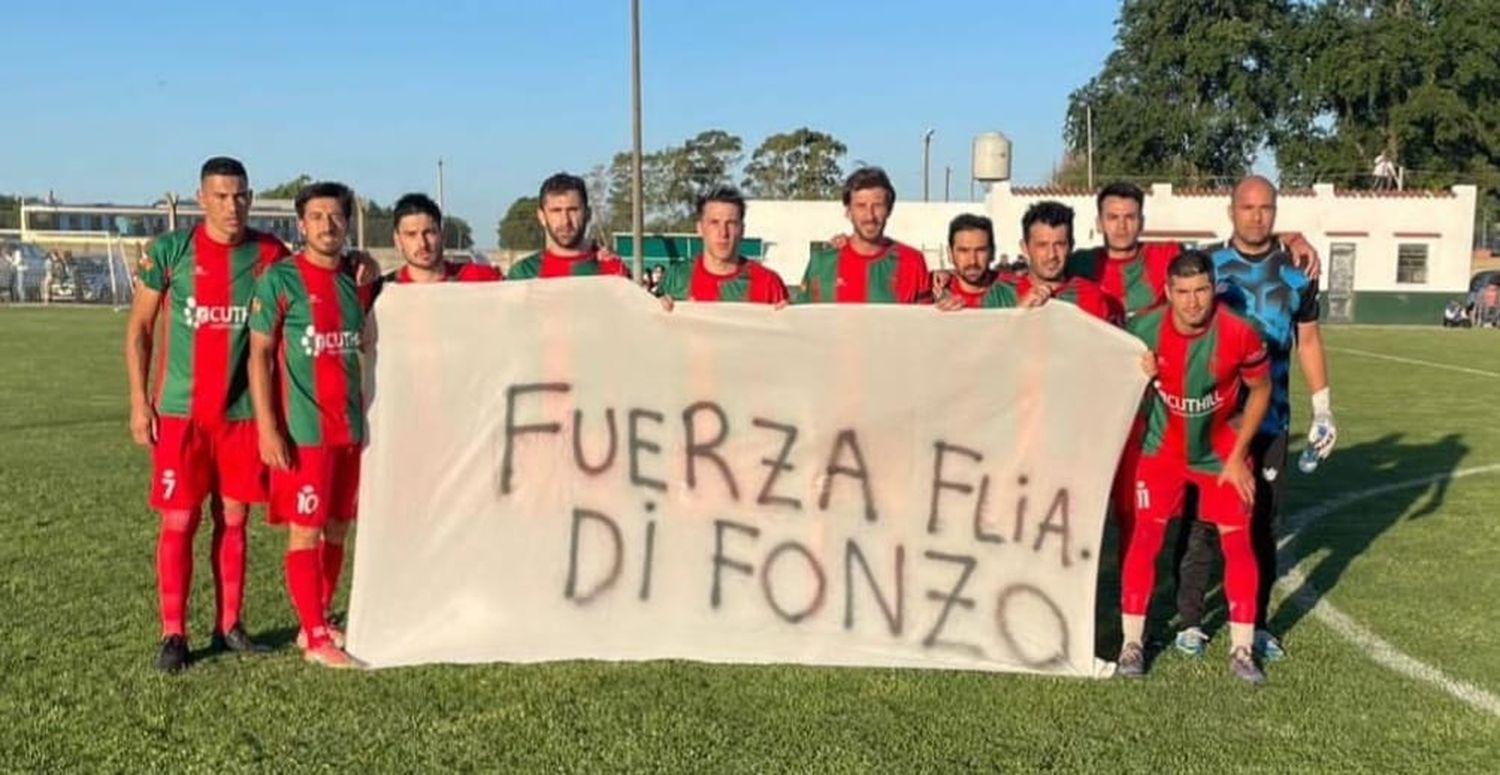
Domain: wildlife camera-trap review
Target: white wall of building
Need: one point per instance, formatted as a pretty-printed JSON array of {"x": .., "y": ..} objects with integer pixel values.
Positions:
[{"x": 1376, "y": 224}]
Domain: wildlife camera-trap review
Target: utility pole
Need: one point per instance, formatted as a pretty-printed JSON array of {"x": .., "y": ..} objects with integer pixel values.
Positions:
[
  {"x": 442, "y": 200},
  {"x": 637, "y": 211},
  {"x": 926, "y": 158},
  {"x": 947, "y": 182}
]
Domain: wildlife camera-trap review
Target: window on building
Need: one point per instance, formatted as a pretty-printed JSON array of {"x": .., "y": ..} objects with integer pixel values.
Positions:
[{"x": 1411, "y": 264}]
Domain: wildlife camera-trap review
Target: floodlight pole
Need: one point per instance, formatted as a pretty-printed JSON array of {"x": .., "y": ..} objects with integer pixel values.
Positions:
[{"x": 637, "y": 211}]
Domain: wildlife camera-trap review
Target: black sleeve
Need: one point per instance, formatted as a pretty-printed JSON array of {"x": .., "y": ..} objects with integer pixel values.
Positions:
[{"x": 1308, "y": 311}]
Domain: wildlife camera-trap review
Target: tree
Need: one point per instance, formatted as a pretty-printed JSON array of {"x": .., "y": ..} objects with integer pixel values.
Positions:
[
  {"x": 518, "y": 228},
  {"x": 287, "y": 190},
  {"x": 457, "y": 233},
  {"x": 1189, "y": 92},
  {"x": 801, "y": 164},
  {"x": 1414, "y": 80},
  {"x": 671, "y": 179},
  {"x": 1071, "y": 172}
]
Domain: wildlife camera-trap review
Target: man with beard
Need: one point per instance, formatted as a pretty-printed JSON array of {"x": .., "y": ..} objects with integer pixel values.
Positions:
[
  {"x": 418, "y": 233},
  {"x": 306, "y": 322},
  {"x": 1046, "y": 239},
  {"x": 972, "y": 283},
  {"x": 1134, "y": 272},
  {"x": 1207, "y": 357},
  {"x": 564, "y": 215},
  {"x": 869, "y": 267}
]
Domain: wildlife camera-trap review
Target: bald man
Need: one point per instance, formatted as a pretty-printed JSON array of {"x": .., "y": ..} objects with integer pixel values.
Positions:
[{"x": 1258, "y": 280}]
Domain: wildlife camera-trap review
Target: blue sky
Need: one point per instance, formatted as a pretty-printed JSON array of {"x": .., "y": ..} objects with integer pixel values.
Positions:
[{"x": 121, "y": 101}]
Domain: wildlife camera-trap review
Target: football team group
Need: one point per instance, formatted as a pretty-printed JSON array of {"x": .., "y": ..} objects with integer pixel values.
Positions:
[{"x": 255, "y": 393}]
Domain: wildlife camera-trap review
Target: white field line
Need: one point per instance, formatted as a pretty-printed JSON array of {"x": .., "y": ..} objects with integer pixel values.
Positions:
[
  {"x": 1302, "y": 593},
  {"x": 1414, "y": 362}
]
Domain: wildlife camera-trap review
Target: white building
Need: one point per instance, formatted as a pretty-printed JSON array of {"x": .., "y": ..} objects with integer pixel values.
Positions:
[{"x": 1389, "y": 256}]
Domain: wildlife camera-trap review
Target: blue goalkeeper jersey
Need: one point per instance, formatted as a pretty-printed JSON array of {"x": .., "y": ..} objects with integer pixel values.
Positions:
[{"x": 1276, "y": 296}]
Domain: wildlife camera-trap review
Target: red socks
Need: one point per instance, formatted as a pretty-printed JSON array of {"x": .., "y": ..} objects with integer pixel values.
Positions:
[
  {"x": 1241, "y": 575},
  {"x": 228, "y": 556},
  {"x": 174, "y": 567},
  {"x": 333, "y": 565},
  {"x": 1138, "y": 575},
  {"x": 304, "y": 581}
]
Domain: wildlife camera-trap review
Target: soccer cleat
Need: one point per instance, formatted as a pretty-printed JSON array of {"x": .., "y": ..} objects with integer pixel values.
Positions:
[
  {"x": 173, "y": 656},
  {"x": 236, "y": 640},
  {"x": 330, "y": 656},
  {"x": 1267, "y": 647},
  {"x": 334, "y": 634},
  {"x": 1242, "y": 666},
  {"x": 1132, "y": 661},
  {"x": 1191, "y": 641}
]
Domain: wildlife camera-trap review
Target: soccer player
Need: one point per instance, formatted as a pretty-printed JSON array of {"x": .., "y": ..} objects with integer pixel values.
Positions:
[
  {"x": 418, "y": 233},
  {"x": 564, "y": 215},
  {"x": 306, "y": 321},
  {"x": 1134, "y": 272},
  {"x": 869, "y": 267},
  {"x": 1046, "y": 239},
  {"x": 197, "y": 419},
  {"x": 1206, "y": 355},
  {"x": 1257, "y": 279},
  {"x": 972, "y": 283},
  {"x": 720, "y": 273}
]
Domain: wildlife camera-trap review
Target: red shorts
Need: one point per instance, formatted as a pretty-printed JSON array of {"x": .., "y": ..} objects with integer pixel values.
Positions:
[
  {"x": 1161, "y": 482},
  {"x": 322, "y": 484},
  {"x": 191, "y": 459},
  {"x": 1122, "y": 489}
]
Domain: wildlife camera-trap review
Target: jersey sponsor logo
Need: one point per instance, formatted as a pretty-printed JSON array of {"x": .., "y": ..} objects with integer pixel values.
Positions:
[
  {"x": 1190, "y": 407},
  {"x": 215, "y": 316},
  {"x": 307, "y": 501},
  {"x": 316, "y": 343}
]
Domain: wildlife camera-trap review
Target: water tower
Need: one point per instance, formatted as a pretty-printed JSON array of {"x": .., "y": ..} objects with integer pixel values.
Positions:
[{"x": 991, "y": 160}]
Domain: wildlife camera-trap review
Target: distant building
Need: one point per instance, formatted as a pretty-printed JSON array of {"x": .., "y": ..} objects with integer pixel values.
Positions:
[{"x": 1388, "y": 256}]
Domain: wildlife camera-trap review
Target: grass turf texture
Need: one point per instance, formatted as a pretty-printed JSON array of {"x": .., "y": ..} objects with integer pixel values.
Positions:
[{"x": 78, "y": 627}]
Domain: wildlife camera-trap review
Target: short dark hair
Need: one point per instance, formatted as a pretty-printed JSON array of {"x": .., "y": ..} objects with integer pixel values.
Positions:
[
  {"x": 562, "y": 183},
  {"x": 869, "y": 177},
  {"x": 971, "y": 222},
  {"x": 1191, "y": 263},
  {"x": 326, "y": 189},
  {"x": 223, "y": 165},
  {"x": 726, "y": 194},
  {"x": 1050, "y": 213},
  {"x": 1122, "y": 190},
  {"x": 416, "y": 204}
]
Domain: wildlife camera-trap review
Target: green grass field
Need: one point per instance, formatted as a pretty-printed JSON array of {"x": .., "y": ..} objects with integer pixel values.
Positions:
[{"x": 78, "y": 627}]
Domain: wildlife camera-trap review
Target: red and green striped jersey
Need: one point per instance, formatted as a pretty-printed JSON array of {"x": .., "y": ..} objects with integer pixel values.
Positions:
[
  {"x": 898, "y": 275},
  {"x": 1084, "y": 294},
  {"x": 1197, "y": 387},
  {"x": 202, "y": 340},
  {"x": 317, "y": 318},
  {"x": 548, "y": 264},
  {"x": 1138, "y": 283},
  {"x": 997, "y": 294},
  {"x": 750, "y": 282},
  {"x": 467, "y": 272}
]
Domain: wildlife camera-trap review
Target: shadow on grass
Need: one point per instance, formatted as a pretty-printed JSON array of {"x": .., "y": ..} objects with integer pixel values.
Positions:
[
  {"x": 1337, "y": 542},
  {"x": 1380, "y": 462}
]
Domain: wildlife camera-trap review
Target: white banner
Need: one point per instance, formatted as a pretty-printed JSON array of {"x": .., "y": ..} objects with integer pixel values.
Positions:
[{"x": 560, "y": 469}]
